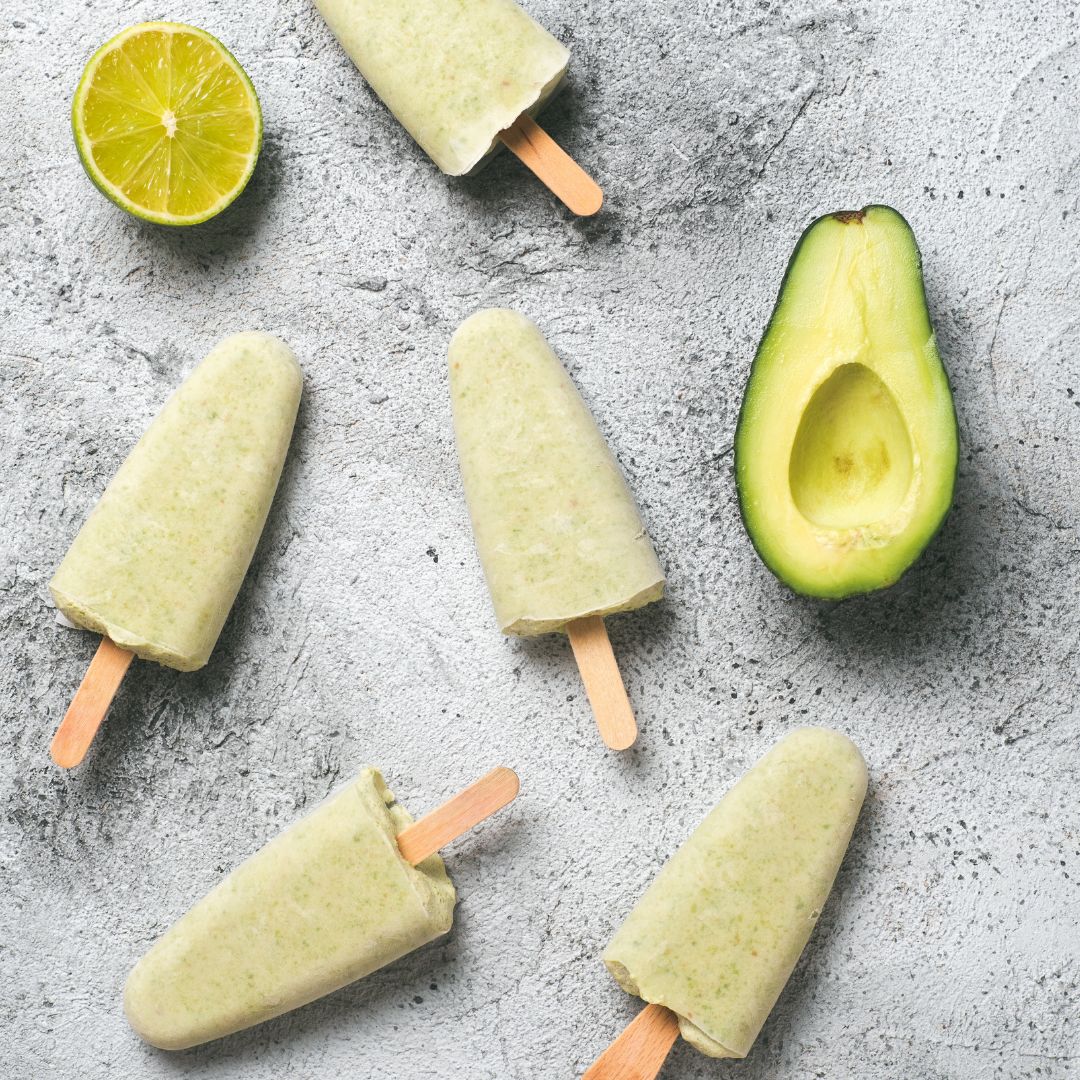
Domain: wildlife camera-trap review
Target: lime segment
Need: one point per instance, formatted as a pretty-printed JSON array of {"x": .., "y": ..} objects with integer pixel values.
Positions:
[{"x": 167, "y": 123}]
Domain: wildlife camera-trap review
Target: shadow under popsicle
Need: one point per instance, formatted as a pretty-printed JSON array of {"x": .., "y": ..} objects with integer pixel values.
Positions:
[
  {"x": 178, "y": 996},
  {"x": 557, "y": 531},
  {"x": 371, "y": 1008},
  {"x": 500, "y": 178},
  {"x": 637, "y": 638},
  {"x": 171, "y": 539},
  {"x": 461, "y": 85},
  {"x": 714, "y": 941},
  {"x": 379, "y": 1003},
  {"x": 806, "y": 981}
]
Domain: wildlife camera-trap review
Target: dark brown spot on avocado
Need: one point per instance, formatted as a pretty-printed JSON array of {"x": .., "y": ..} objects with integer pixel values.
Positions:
[{"x": 847, "y": 217}]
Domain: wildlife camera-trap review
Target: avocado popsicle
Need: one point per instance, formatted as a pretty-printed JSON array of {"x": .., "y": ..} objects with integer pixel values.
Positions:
[
  {"x": 328, "y": 901},
  {"x": 717, "y": 934},
  {"x": 454, "y": 74},
  {"x": 463, "y": 77},
  {"x": 556, "y": 528},
  {"x": 158, "y": 563}
]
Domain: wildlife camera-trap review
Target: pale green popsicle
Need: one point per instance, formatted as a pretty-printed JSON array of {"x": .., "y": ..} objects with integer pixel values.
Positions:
[
  {"x": 717, "y": 934},
  {"x": 556, "y": 527},
  {"x": 328, "y": 901},
  {"x": 454, "y": 72},
  {"x": 157, "y": 565}
]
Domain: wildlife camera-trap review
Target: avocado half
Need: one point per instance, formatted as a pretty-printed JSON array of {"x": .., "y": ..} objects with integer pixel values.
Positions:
[{"x": 846, "y": 447}]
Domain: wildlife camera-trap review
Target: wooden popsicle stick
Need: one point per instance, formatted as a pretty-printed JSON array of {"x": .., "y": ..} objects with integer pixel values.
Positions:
[
  {"x": 456, "y": 817},
  {"x": 553, "y": 166},
  {"x": 640, "y": 1051},
  {"x": 603, "y": 682},
  {"x": 90, "y": 704}
]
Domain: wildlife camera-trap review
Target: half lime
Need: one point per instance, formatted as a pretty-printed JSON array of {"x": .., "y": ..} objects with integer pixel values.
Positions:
[{"x": 167, "y": 123}]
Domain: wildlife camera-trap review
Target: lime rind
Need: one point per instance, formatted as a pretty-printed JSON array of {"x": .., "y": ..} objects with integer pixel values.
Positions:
[{"x": 191, "y": 166}]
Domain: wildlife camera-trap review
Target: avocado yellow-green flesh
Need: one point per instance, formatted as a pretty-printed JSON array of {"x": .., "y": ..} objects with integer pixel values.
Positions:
[
  {"x": 167, "y": 123},
  {"x": 846, "y": 447}
]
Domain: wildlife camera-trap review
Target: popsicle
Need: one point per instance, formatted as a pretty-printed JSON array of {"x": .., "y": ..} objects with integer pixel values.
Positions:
[
  {"x": 344, "y": 891},
  {"x": 157, "y": 565},
  {"x": 560, "y": 539},
  {"x": 462, "y": 77},
  {"x": 715, "y": 937}
]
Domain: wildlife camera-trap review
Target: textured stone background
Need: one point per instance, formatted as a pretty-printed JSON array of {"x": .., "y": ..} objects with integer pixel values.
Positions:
[{"x": 951, "y": 947}]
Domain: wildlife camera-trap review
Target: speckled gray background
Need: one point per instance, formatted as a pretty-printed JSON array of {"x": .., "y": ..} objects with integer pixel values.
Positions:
[{"x": 951, "y": 947}]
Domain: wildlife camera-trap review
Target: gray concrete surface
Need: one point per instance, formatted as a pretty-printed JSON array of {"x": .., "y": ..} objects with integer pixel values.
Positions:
[{"x": 951, "y": 947}]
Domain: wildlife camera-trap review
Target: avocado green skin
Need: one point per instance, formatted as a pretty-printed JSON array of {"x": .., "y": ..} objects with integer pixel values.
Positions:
[{"x": 825, "y": 593}]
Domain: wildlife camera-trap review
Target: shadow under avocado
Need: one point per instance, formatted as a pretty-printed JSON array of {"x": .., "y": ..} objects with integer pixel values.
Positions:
[
  {"x": 910, "y": 613},
  {"x": 912, "y": 617}
]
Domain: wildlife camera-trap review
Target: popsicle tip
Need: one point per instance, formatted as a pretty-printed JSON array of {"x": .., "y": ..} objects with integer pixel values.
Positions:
[
  {"x": 463, "y": 812},
  {"x": 90, "y": 704},
  {"x": 603, "y": 683},
  {"x": 509, "y": 780},
  {"x": 553, "y": 166},
  {"x": 622, "y": 739},
  {"x": 589, "y": 203},
  {"x": 63, "y": 755}
]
